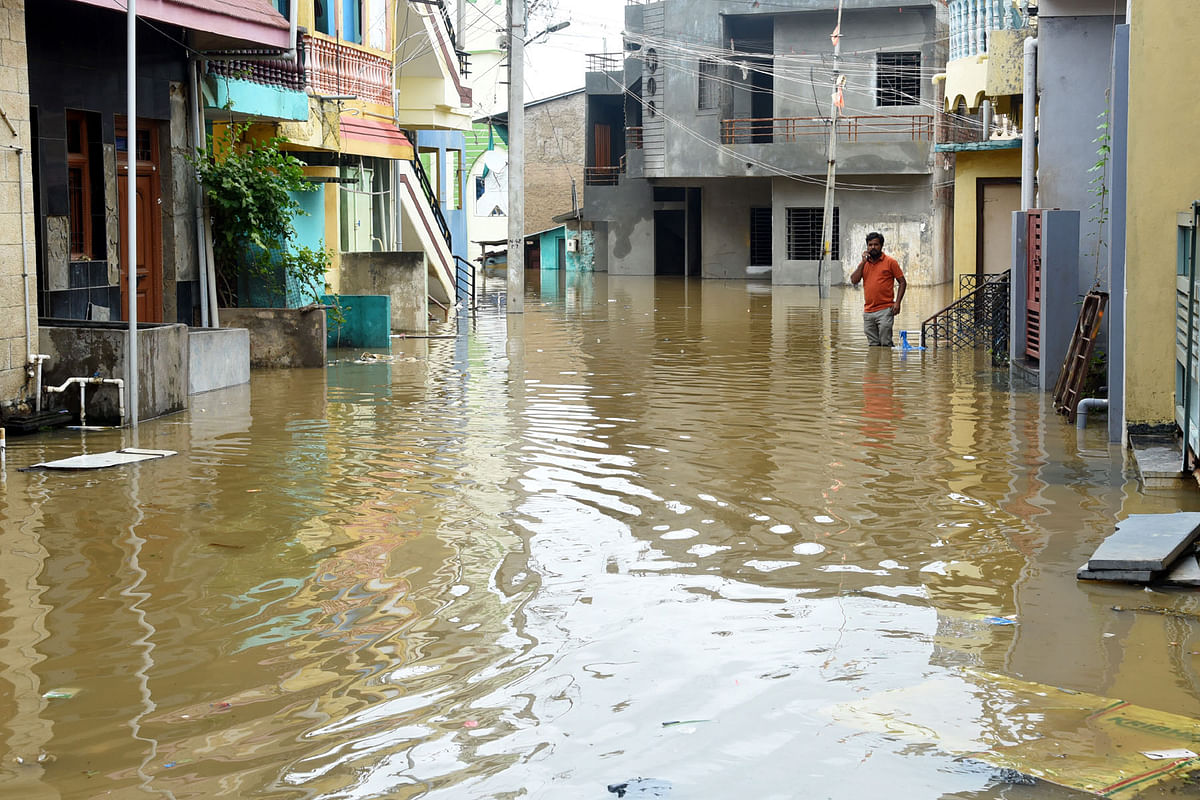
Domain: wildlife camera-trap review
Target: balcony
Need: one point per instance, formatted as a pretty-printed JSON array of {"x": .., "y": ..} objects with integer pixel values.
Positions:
[
  {"x": 972, "y": 22},
  {"x": 338, "y": 69},
  {"x": 768, "y": 130},
  {"x": 279, "y": 72}
]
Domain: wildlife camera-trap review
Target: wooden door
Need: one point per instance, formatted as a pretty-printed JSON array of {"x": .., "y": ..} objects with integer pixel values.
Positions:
[
  {"x": 602, "y": 145},
  {"x": 149, "y": 223}
]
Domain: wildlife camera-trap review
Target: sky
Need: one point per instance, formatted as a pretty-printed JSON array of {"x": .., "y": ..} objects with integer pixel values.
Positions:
[{"x": 556, "y": 62}]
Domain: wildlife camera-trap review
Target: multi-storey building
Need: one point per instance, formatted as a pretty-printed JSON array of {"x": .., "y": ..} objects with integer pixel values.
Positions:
[{"x": 707, "y": 138}]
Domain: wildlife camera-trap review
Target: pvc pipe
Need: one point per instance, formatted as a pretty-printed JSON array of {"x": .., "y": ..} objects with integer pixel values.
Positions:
[
  {"x": 39, "y": 358},
  {"x": 1088, "y": 404},
  {"x": 1029, "y": 125},
  {"x": 29, "y": 348},
  {"x": 82, "y": 383}
]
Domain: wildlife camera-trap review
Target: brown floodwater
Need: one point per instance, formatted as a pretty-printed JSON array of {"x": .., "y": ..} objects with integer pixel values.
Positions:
[{"x": 667, "y": 529}]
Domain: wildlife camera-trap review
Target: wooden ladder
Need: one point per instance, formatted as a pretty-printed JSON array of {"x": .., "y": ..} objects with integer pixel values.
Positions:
[{"x": 1079, "y": 355}]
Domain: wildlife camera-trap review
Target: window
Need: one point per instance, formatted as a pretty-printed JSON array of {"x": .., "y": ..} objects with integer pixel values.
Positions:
[
  {"x": 804, "y": 234},
  {"x": 897, "y": 79},
  {"x": 707, "y": 94},
  {"x": 79, "y": 185},
  {"x": 284, "y": 7},
  {"x": 352, "y": 21},
  {"x": 377, "y": 27},
  {"x": 323, "y": 16}
]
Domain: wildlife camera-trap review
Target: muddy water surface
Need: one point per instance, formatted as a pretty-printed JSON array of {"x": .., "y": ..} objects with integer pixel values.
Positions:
[{"x": 670, "y": 529}]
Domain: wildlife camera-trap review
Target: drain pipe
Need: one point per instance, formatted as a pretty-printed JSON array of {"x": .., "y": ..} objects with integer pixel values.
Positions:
[
  {"x": 1029, "y": 125},
  {"x": 1088, "y": 404},
  {"x": 83, "y": 384},
  {"x": 32, "y": 358},
  {"x": 39, "y": 358}
]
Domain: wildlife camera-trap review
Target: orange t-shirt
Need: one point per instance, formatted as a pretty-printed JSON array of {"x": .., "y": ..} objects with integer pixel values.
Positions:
[{"x": 878, "y": 283}]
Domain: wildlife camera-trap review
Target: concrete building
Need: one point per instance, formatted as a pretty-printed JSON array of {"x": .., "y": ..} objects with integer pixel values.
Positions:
[
  {"x": 707, "y": 139},
  {"x": 18, "y": 311}
]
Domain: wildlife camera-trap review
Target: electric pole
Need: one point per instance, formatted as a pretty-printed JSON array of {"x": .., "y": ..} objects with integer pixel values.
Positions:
[
  {"x": 515, "y": 269},
  {"x": 836, "y": 101}
]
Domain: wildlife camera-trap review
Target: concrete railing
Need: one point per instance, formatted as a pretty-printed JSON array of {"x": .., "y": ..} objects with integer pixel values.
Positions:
[{"x": 971, "y": 20}]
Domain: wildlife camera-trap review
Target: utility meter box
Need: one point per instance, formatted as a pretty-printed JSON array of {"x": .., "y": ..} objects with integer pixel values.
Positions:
[{"x": 572, "y": 245}]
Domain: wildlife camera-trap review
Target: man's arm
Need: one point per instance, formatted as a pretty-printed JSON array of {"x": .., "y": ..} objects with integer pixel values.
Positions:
[
  {"x": 856, "y": 276},
  {"x": 901, "y": 285}
]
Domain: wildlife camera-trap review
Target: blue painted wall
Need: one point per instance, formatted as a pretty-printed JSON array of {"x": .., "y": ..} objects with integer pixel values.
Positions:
[
  {"x": 257, "y": 99},
  {"x": 455, "y": 218},
  {"x": 549, "y": 247}
]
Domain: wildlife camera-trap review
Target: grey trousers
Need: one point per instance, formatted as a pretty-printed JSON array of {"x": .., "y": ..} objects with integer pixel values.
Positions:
[{"x": 878, "y": 327}]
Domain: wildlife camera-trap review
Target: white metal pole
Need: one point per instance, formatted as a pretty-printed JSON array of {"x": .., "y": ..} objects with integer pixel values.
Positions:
[
  {"x": 516, "y": 157},
  {"x": 825, "y": 267},
  {"x": 131, "y": 369}
]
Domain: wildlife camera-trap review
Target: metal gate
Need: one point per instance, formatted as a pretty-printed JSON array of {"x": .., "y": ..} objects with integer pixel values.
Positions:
[
  {"x": 1187, "y": 334},
  {"x": 1033, "y": 285}
]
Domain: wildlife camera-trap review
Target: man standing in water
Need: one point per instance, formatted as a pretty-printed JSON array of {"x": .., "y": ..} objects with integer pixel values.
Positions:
[{"x": 880, "y": 307}]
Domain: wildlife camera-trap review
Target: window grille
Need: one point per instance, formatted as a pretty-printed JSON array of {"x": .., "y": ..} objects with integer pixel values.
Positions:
[
  {"x": 709, "y": 86},
  {"x": 760, "y": 237},
  {"x": 804, "y": 234},
  {"x": 897, "y": 79}
]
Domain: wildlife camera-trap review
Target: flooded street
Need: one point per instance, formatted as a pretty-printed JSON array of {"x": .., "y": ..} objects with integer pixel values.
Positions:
[{"x": 677, "y": 530}]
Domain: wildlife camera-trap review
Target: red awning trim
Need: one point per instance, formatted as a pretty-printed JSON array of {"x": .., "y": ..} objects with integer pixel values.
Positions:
[{"x": 369, "y": 130}]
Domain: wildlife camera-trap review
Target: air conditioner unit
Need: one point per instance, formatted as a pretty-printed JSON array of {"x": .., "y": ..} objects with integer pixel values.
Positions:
[{"x": 572, "y": 245}]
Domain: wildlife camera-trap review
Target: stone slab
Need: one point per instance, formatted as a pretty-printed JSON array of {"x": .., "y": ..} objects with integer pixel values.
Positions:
[
  {"x": 1126, "y": 575},
  {"x": 1159, "y": 461},
  {"x": 1146, "y": 542},
  {"x": 1186, "y": 572}
]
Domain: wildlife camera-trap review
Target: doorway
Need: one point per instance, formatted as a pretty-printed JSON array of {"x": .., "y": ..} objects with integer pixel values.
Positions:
[
  {"x": 670, "y": 226},
  {"x": 995, "y": 201},
  {"x": 149, "y": 220}
]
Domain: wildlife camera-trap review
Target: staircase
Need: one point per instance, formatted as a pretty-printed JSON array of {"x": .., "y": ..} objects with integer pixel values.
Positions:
[{"x": 979, "y": 317}]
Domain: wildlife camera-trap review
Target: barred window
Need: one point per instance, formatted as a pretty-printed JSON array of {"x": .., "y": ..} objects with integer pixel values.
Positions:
[
  {"x": 804, "y": 234},
  {"x": 897, "y": 79},
  {"x": 708, "y": 94}
]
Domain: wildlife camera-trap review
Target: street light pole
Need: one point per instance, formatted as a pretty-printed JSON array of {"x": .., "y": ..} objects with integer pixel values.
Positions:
[{"x": 515, "y": 268}]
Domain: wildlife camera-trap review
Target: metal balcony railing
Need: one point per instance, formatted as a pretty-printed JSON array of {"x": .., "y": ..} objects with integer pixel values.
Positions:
[
  {"x": 605, "y": 62},
  {"x": 633, "y": 138},
  {"x": 337, "y": 69},
  {"x": 979, "y": 317},
  {"x": 972, "y": 20},
  {"x": 766, "y": 130},
  {"x": 281, "y": 72},
  {"x": 602, "y": 176}
]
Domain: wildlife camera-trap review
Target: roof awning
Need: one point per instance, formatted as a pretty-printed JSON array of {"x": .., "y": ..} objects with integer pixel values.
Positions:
[
  {"x": 215, "y": 24},
  {"x": 368, "y": 137}
]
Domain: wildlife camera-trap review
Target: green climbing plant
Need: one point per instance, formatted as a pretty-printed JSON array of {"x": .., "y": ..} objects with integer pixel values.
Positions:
[
  {"x": 1099, "y": 181},
  {"x": 248, "y": 184}
]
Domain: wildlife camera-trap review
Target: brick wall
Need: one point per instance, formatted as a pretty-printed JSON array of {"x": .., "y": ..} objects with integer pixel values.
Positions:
[
  {"x": 14, "y": 182},
  {"x": 554, "y": 144}
]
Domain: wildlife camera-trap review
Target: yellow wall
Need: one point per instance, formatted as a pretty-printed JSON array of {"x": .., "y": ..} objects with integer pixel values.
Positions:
[
  {"x": 1164, "y": 178},
  {"x": 969, "y": 166}
]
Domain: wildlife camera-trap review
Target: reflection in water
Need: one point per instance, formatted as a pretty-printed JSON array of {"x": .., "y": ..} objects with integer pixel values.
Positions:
[{"x": 651, "y": 528}]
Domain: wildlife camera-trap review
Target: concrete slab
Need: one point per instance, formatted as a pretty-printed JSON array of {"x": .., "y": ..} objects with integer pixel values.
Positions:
[
  {"x": 1125, "y": 575},
  {"x": 1186, "y": 572},
  {"x": 1159, "y": 461},
  {"x": 129, "y": 455},
  {"x": 1147, "y": 542}
]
